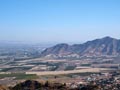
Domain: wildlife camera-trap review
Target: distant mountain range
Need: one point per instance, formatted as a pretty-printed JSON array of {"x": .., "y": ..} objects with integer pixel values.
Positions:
[{"x": 97, "y": 47}]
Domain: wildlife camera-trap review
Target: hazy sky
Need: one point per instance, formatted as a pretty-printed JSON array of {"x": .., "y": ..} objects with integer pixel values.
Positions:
[{"x": 58, "y": 20}]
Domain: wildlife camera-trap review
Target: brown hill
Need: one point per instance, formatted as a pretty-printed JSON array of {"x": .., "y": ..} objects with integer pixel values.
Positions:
[{"x": 103, "y": 46}]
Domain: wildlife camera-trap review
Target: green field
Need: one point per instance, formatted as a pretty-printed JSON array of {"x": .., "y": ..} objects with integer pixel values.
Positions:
[{"x": 20, "y": 76}]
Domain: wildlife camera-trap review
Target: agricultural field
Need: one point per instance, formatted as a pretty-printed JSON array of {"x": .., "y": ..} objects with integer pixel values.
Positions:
[{"x": 19, "y": 76}]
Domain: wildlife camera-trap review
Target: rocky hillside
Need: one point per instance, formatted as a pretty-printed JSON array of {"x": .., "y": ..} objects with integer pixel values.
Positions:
[
  {"x": 103, "y": 46},
  {"x": 35, "y": 85}
]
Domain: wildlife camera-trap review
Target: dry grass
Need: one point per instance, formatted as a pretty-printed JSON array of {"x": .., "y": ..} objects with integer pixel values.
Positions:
[{"x": 69, "y": 72}]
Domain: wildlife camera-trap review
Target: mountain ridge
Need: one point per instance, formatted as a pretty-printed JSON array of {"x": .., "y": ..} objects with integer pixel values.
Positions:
[{"x": 103, "y": 46}]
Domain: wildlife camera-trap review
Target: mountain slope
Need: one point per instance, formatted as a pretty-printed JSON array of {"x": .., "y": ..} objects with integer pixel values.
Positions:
[{"x": 104, "y": 46}]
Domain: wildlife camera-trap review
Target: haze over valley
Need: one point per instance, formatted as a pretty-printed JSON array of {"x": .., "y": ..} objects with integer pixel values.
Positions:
[{"x": 59, "y": 45}]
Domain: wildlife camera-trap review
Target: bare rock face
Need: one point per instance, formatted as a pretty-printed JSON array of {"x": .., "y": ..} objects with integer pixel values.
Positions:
[{"x": 103, "y": 46}]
